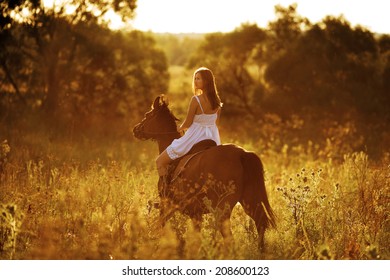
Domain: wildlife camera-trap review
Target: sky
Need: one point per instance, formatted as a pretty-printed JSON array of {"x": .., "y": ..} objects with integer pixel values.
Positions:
[{"x": 206, "y": 16}]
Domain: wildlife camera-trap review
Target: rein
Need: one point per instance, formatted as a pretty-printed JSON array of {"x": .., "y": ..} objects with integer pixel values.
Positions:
[
  {"x": 161, "y": 133},
  {"x": 151, "y": 116}
]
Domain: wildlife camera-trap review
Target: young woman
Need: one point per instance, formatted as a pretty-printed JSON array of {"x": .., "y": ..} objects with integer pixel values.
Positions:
[{"x": 201, "y": 121}]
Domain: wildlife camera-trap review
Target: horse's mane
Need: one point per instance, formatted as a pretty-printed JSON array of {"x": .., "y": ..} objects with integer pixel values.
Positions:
[{"x": 167, "y": 113}]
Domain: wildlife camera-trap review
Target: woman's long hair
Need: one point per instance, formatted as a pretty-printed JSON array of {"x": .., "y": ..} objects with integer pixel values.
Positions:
[{"x": 209, "y": 87}]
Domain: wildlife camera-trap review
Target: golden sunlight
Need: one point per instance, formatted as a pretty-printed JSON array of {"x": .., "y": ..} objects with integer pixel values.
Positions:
[
  {"x": 113, "y": 20},
  {"x": 204, "y": 16}
]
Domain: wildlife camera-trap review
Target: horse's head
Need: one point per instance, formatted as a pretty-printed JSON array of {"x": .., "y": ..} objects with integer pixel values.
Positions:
[{"x": 158, "y": 122}]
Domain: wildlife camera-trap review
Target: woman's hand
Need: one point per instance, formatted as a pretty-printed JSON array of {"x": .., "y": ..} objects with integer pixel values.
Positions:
[{"x": 181, "y": 130}]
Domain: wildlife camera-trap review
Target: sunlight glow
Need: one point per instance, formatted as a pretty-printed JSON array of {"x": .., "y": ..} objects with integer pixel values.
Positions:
[
  {"x": 21, "y": 16},
  {"x": 202, "y": 16},
  {"x": 205, "y": 16},
  {"x": 57, "y": 5},
  {"x": 114, "y": 20}
]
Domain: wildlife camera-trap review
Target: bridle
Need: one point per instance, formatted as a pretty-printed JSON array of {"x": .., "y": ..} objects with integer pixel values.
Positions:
[
  {"x": 149, "y": 134},
  {"x": 161, "y": 133}
]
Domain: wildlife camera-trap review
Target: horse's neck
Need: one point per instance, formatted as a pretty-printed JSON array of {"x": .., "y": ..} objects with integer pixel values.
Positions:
[{"x": 163, "y": 143}]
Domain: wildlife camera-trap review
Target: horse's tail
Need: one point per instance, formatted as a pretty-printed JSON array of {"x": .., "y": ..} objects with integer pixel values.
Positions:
[{"x": 254, "y": 198}]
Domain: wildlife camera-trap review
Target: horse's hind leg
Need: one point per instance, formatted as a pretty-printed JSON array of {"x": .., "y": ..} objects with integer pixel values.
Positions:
[
  {"x": 226, "y": 230},
  {"x": 197, "y": 222},
  {"x": 224, "y": 227},
  {"x": 256, "y": 212}
]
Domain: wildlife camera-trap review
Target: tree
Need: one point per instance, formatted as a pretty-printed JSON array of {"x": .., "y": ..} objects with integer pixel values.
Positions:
[
  {"x": 331, "y": 67},
  {"x": 286, "y": 29},
  {"x": 72, "y": 64},
  {"x": 384, "y": 70},
  {"x": 231, "y": 57}
]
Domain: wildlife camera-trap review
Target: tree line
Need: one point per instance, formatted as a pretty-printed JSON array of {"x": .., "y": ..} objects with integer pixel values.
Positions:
[
  {"x": 295, "y": 66},
  {"x": 64, "y": 62},
  {"x": 71, "y": 66}
]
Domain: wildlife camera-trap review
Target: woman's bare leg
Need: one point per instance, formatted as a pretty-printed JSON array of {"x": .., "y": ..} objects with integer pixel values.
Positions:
[{"x": 162, "y": 162}]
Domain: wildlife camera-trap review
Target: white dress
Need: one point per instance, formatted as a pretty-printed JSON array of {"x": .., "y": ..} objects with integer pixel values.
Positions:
[{"x": 203, "y": 127}]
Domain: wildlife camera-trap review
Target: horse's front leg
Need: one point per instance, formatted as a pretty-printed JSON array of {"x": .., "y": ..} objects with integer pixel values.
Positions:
[
  {"x": 166, "y": 211},
  {"x": 165, "y": 204},
  {"x": 197, "y": 222}
]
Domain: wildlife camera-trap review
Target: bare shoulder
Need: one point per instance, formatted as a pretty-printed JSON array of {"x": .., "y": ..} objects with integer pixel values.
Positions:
[
  {"x": 193, "y": 103},
  {"x": 193, "y": 99}
]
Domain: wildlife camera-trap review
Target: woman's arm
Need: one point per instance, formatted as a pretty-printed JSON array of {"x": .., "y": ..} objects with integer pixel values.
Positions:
[
  {"x": 218, "y": 116},
  {"x": 190, "y": 115}
]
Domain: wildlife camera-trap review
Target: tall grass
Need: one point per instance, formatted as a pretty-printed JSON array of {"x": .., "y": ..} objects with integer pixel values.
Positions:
[{"x": 101, "y": 209}]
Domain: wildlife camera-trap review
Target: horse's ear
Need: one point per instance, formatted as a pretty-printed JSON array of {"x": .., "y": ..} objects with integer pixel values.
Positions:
[
  {"x": 156, "y": 102},
  {"x": 164, "y": 99}
]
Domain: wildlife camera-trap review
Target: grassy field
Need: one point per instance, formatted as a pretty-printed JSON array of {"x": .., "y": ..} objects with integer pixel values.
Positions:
[{"x": 58, "y": 208}]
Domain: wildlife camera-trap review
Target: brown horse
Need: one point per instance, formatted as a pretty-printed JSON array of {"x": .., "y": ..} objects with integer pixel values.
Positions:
[{"x": 214, "y": 180}]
